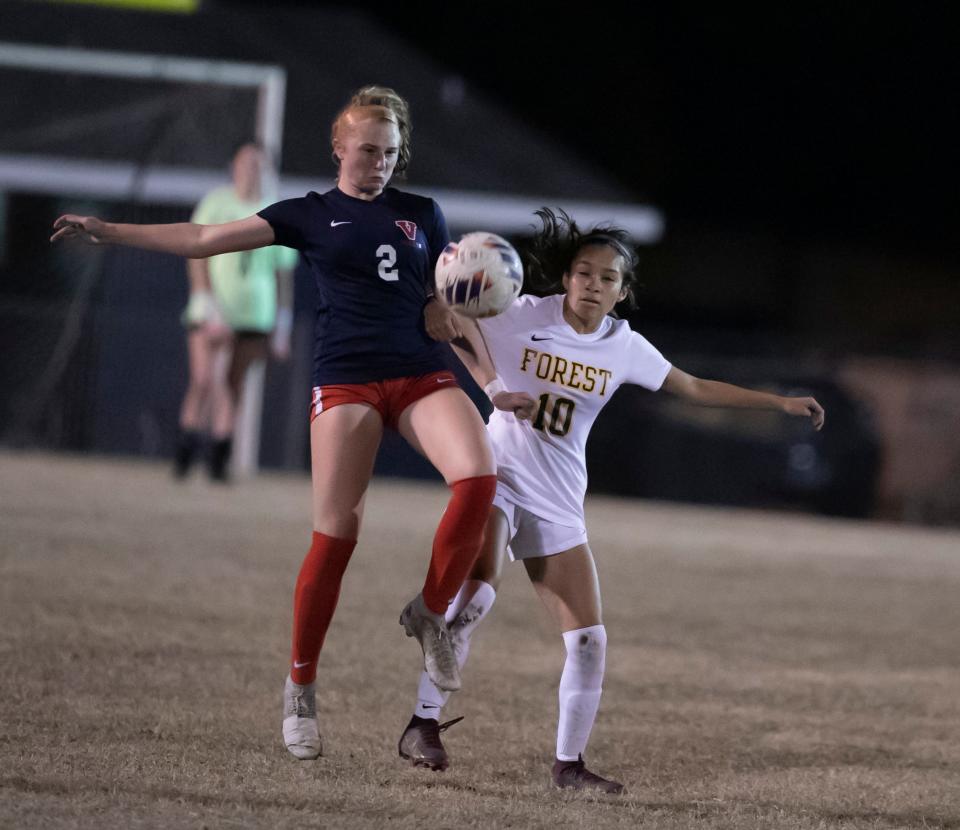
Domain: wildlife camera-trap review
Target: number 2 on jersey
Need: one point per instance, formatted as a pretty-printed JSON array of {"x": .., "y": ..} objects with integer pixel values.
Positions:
[
  {"x": 387, "y": 255},
  {"x": 557, "y": 419}
]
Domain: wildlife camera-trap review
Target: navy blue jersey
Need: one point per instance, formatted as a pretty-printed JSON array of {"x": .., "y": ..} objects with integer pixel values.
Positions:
[{"x": 372, "y": 262}]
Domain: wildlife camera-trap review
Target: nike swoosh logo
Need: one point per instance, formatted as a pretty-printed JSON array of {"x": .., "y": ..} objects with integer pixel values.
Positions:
[
  {"x": 335, "y": 224},
  {"x": 429, "y": 706},
  {"x": 534, "y": 337},
  {"x": 444, "y": 380},
  {"x": 297, "y": 665}
]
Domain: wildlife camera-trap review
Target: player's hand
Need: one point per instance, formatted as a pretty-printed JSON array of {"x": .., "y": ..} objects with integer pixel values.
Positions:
[
  {"x": 441, "y": 323},
  {"x": 87, "y": 229},
  {"x": 805, "y": 407},
  {"x": 520, "y": 404}
]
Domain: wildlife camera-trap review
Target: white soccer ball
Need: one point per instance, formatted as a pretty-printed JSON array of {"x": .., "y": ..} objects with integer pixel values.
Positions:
[{"x": 480, "y": 275}]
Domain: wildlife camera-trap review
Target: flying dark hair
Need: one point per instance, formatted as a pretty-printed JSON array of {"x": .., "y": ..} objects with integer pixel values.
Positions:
[{"x": 559, "y": 240}]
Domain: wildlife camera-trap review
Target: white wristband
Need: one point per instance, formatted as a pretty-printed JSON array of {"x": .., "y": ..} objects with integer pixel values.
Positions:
[{"x": 494, "y": 387}]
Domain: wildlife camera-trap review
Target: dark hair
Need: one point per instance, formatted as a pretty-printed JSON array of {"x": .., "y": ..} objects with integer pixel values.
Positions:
[
  {"x": 559, "y": 240},
  {"x": 393, "y": 107}
]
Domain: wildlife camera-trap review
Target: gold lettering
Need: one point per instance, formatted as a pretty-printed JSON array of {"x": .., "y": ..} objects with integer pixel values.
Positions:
[
  {"x": 543, "y": 371},
  {"x": 527, "y": 356},
  {"x": 606, "y": 374},
  {"x": 558, "y": 369},
  {"x": 574, "y": 368},
  {"x": 567, "y": 373},
  {"x": 590, "y": 374}
]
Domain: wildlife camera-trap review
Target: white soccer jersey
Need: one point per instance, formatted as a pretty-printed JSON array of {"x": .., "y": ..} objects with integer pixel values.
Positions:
[{"x": 541, "y": 463}]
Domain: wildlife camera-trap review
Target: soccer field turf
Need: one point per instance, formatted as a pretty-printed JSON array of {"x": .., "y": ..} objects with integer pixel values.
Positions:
[{"x": 764, "y": 669}]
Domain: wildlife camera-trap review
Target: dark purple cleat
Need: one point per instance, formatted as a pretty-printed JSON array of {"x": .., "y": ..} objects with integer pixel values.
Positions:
[
  {"x": 574, "y": 775},
  {"x": 420, "y": 743}
]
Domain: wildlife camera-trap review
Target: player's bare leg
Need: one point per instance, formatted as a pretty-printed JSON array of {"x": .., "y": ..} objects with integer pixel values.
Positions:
[
  {"x": 446, "y": 428},
  {"x": 195, "y": 408},
  {"x": 222, "y": 409},
  {"x": 567, "y": 585},
  {"x": 233, "y": 361},
  {"x": 343, "y": 447}
]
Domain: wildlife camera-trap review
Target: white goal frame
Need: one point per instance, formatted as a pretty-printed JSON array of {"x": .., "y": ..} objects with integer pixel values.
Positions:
[{"x": 48, "y": 175}]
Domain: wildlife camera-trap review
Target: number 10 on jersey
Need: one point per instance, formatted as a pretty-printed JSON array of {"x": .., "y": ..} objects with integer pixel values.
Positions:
[{"x": 554, "y": 414}]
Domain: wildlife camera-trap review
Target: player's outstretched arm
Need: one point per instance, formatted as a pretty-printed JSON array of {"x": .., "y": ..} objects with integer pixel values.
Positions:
[
  {"x": 182, "y": 238},
  {"x": 716, "y": 393},
  {"x": 472, "y": 350}
]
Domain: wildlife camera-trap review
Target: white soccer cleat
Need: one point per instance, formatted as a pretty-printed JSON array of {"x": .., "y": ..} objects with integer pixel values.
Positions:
[
  {"x": 431, "y": 632},
  {"x": 301, "y": 732}
]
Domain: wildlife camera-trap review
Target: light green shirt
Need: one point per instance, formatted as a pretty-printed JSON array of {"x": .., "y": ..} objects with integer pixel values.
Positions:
[{"x": 244, "y": 282}]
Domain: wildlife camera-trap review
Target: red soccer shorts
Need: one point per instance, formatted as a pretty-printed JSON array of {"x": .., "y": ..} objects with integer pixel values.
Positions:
[{"x": 388, "y": 397}]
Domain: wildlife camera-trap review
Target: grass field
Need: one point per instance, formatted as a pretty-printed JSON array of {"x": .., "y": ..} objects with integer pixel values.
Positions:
[{"x": 764, "y": 670}]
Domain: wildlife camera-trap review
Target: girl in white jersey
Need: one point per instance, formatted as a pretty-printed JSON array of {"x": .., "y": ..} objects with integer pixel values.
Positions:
[{"x": 562, "y": 356}]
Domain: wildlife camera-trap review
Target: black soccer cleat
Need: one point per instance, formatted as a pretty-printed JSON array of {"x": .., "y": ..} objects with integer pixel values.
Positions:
[
  {"x": 218, "y": 464},
  {"x": 574, "y": 775},
  {"x": 186, "y": 452},
  {"x": 420, "y": 743}
]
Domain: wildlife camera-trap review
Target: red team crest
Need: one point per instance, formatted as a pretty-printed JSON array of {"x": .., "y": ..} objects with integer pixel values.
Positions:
[{"x": 409, "y": 228}]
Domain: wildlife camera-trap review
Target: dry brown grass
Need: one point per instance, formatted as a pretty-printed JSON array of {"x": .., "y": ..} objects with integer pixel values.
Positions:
[{"x": 764, "y": 670}]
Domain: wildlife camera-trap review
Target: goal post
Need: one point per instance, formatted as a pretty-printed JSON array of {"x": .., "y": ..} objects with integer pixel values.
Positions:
[
  {"x": 47, "y": 144},
  {"x": 269, "y": 81}
]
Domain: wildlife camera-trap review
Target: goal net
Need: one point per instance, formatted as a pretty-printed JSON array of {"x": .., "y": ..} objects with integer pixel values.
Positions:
[{"x": 93, "y": 350}]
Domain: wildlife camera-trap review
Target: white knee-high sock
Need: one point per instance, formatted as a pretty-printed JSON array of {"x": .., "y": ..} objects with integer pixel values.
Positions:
[
  {"x": 580, "y": 689},
  {"x": 468, "y": 608}
]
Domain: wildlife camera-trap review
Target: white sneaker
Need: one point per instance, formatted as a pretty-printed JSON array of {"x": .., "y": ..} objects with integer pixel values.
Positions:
[
  {"x": 431, "y": 631},
  {"x": 301, "y": 732}
]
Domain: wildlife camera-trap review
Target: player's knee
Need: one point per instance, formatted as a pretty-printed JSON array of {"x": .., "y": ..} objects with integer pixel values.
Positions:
[
  {"x": 467, "y": 465},
  {"x": 201, "y": 382},
  {"x": 339, "y": 523},
  {"x": 469, "y": 457},
  {"x": 588, "y": 646}
]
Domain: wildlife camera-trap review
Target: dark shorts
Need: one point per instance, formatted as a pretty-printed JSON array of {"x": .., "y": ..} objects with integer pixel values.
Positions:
[
  {"x": 245, "y": 335},
  {"x": 388, "y": 397}
]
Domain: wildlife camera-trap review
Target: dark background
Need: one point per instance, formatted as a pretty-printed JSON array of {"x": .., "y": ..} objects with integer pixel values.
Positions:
[
  {"x": 834, "y": 121},
  {"x": 805, "y": 158},
  {"x": 804, "y": 161}
]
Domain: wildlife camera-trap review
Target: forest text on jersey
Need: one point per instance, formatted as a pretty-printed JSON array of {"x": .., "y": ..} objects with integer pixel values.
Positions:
[{"x": 567, "y": 373}]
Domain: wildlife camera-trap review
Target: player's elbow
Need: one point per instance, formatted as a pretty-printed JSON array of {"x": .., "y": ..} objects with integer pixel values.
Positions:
[
  {"x": 699, "y": 391},
  {"x": 687, "y": 387},
  {"x": 205, "y": 242}
]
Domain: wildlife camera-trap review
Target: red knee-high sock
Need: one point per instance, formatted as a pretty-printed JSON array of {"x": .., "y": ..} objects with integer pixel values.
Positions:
[
  {"x": 314, "y": 601},
  {"x": 458, "y": 540}
]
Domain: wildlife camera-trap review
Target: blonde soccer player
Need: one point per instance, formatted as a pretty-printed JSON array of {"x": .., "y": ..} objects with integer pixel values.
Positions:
[{"x": 377, "y": 365}]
